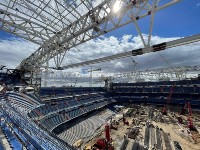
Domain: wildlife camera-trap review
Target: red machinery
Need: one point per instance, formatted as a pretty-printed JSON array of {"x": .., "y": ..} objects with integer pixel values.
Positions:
[
  {"x": 180, "y": 120},
  {"x": 187, "y": 108},
  {"x": 104, "y": 143},
  {"x": 190, "y": 121},
  {"x": 184, "y": 109},
  {"x": 107, "y": 132},
  {"x": 125, "y": 122},
  {"x": 114, "y": 124},
  {"x": 164, "y": 109}
]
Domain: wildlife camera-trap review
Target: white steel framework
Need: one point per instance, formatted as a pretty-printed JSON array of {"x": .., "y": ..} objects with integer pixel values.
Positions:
[{"x": 58, "y": 25}]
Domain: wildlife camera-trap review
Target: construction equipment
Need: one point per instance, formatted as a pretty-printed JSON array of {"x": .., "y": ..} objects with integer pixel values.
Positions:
[
  {"x": 125, "y": 122},
  {"x": 133, "y": 133},
  {"x": 180, "y": 120},
  {"x": 164, "y": 109},
  {"x": 114, "y": 124},
  {"x": 184, "y": 109},
  {"x": 87, "y": 147},
  {"x": 190, "y": 121},
  {"x": 187, "y": 109},
  {"x": 91, "y": 71},
  {"x": 104, "y": 143}
]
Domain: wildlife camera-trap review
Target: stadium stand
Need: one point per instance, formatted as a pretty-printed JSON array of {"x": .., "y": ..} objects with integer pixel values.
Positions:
[
  {"x": 52, "y": 116},
  {"x": 26, "y": 130},
  {"x": 62, "y": 116},
  {"x": 158, "y": 92},
  {"x": 11, "y": 79},
  {"x": 85, "y": 129}
]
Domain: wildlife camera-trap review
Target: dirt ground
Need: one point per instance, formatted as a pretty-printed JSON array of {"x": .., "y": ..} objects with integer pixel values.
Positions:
[{"x": 169, "y": 126}]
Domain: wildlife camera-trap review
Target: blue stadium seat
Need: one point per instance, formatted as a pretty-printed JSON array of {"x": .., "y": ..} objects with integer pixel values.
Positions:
[
  {"x": 156, "y": 90},
  {"x": 177, "y": 89},
  {"x": 188, "y": 90},
  {"x": 197, "y": 90},
  {"x": 166, "y": 89},
  {"x": 147, "y": 90}
]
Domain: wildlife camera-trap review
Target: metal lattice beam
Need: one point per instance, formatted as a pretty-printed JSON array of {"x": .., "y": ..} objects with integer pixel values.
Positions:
[
  {"x": 39, "y": 20},
  {"x": 141, "y": 51},
  {"x": 95, "y": 22},
  {"x": 58, "y": 25}
]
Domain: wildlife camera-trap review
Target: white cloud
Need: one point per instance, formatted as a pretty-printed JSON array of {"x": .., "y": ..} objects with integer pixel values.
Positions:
[
  {"x": 13, "y": 51},
  {"x": 198, "y": 4}
]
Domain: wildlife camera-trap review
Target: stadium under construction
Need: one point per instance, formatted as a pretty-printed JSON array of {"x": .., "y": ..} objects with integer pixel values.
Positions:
[{"x": 149, "y": 109}]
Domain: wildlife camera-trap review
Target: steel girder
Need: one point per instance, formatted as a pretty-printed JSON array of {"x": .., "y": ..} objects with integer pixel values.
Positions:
[
  {"x": 141, "y": 51},
  {"x": 96, "y": 21}
]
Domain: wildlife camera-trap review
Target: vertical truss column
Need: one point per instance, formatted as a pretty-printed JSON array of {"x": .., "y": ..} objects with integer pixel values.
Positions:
[
  {"x": 46, "y": 74},
  {"x": 33, "y": 78}
]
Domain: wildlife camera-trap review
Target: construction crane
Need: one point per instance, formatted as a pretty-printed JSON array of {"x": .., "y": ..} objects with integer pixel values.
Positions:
[
  {"x": 91, "y": 71},
  {"x": 107, "y": 80},
  {"x": 189, "y": 119},
  {"x": 164, "y": 109}
]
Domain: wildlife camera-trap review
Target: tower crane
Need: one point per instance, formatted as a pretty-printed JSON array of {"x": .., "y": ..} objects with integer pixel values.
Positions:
[
  {"x": 106, "y": 79},
  {"x": 164, "y": 109},
  {"x": 91, "y": 71}
]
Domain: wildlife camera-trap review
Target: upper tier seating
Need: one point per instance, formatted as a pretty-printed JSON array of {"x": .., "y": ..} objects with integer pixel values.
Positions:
[
  {"x": 55, "y": 91},
  {"x": 23, "y": 100},
  {"x": 55, "y": 105},
  {"x": 55, "y": 119},
  {"x": 159, "y": 92},
  {"x": 161, "y": 83}
]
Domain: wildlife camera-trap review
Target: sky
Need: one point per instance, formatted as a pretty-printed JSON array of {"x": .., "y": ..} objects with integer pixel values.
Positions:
[{"x": 174, "y": 22}]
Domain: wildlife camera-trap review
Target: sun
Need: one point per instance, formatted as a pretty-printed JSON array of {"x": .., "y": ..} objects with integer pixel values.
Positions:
[{"x": 116, "y": 6}]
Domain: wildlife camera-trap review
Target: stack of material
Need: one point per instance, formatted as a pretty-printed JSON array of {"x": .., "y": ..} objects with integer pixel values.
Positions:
[{"x": 133, "y": 133}]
